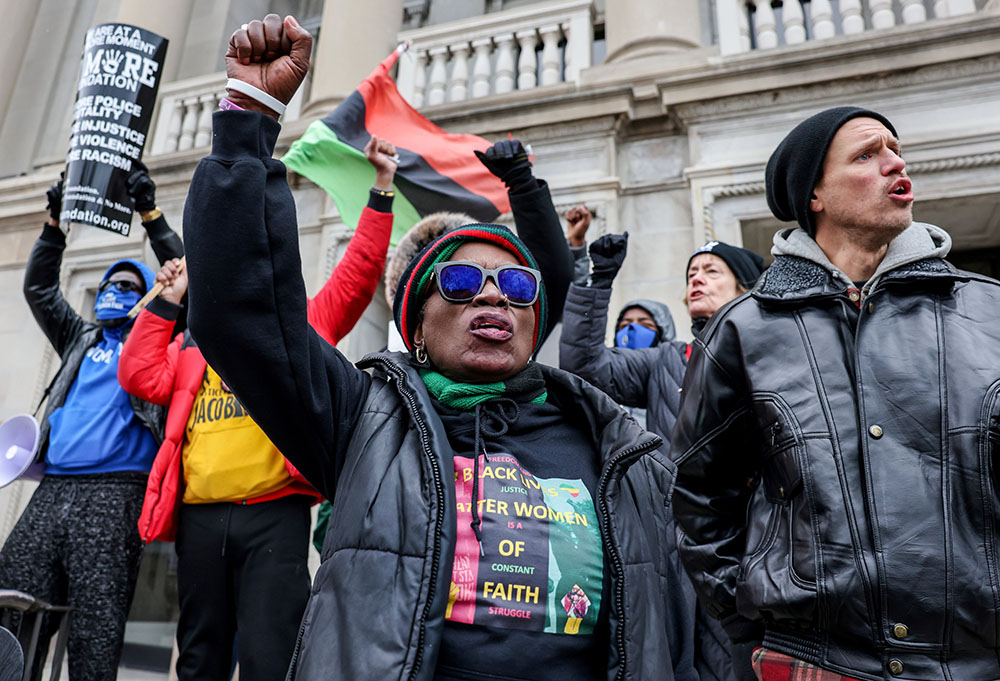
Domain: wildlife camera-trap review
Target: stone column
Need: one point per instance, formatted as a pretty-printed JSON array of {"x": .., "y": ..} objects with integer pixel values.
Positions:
[
  {"x": 650, "y": 28},
  {"x": 353, "y": 38},
  {"x": 168, "y": 18}
]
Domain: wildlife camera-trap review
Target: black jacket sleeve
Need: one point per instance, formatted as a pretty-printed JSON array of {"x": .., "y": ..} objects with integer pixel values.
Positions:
[
  {"x": 539, "y": 228},
  {"x": 167, "y": 245},
  {"x": 163, "y": 240},
  {"x": 248, "y": 301},
  {"x": 623, "y": 374},
  {"x": 60, "y": 322},
  {"x": 713, "y": 448},
  {"x": 581, "y": 264}
]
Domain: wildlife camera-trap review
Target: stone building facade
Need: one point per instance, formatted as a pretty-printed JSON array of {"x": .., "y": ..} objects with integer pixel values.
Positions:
[{"x": 658, "y": 114}]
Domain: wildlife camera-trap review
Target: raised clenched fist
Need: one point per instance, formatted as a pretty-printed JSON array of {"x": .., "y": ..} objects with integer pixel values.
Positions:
[
  {"x": 382, "y": 155},
  {"x": 173, "y": 276},
  {"x": 578, "y": 219},
  {"x": 272, "y": 55},
  {"x": 606, "y": 257}
]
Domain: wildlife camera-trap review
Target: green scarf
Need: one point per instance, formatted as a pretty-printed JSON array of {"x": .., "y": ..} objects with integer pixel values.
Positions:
[{"x": 528, "y": 386}]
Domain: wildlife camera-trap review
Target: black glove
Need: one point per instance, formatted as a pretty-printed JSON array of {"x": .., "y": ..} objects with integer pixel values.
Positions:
[
  {"x": 141, "y": 188},
  {"x": 507, "y": 160},
  {"x": 55, "y": 196},
  {"x": 606, "y": 256}
]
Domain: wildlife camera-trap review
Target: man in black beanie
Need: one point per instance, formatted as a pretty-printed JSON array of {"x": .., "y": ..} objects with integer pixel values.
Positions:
[{"x": 837, "y": 442}]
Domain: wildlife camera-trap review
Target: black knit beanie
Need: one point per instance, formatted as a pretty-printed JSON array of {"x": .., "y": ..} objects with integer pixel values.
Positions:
[
  {"x": 796, "y": 165},
  {"x": 745, "y": 264}
]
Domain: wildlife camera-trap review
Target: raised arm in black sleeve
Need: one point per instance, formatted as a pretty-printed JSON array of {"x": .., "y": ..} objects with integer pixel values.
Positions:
[
  {"x": 541, "y": 231},
  {"x": 248, "y": 301},
  {"x": 536, "y": 220},
  {"x": 57, "y": 319},
  {"x": 163, "y": 240}
]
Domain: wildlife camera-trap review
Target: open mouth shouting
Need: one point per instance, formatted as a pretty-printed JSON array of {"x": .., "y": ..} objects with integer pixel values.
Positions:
[
  {"x": 901, "y": 190},
  {"x": 491, "y": 326}
]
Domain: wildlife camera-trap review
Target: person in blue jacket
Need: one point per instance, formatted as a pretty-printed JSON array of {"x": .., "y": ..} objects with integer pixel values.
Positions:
[{"x": 77, "y": 542}]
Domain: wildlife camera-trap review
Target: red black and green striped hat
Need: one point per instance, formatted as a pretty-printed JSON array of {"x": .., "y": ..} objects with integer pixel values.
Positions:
[{"x": 414, "y": 285}]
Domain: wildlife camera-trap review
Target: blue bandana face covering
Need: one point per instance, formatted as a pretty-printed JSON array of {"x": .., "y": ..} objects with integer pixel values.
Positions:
[
  {"x": 635, "y": 336},
  {"x": 115, "y": 304}
]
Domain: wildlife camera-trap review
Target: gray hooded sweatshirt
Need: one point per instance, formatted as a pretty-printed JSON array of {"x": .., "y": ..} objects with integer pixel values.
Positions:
[{"x": 918, "y": 241}]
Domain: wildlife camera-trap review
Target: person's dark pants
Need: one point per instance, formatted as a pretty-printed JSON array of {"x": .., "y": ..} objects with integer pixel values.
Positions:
[
  {"x": 241, "y": 568},
  {"x": 77, "y": 544}
]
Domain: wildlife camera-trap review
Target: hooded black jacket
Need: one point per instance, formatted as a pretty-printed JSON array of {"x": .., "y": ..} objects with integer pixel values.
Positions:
[
  {"x": 375, "y": 446},
  {"x": 838, "y": 464},
  {"x": 69, "y": 334},
  {"x": 648, "y": 378}
]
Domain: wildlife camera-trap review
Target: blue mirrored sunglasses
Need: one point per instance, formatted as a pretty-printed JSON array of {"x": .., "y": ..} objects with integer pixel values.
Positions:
[{"x": 460, "y": 282}]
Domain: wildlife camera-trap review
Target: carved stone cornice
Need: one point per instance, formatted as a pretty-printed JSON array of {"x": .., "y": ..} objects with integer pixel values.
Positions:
[
  {"x": 834, "y": 90},
  {"x": 954, "y": 163},
  {"x": 711, "y": 194}
]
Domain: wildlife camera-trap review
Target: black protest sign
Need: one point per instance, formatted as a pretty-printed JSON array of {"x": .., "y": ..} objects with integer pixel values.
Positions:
[{"x": 119, "y": 77}]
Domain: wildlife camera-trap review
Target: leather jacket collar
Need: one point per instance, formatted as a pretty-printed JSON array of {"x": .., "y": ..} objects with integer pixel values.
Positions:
[{"x": 792, "y": 279}]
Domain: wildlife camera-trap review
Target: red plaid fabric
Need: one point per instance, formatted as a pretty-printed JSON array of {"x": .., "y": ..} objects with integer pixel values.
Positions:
[{"x": 774, "y": 666}]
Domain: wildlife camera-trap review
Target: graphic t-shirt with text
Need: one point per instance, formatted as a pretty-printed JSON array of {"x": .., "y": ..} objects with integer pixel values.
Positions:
[
  {"x": 540, "y": 583},
  {"x": 226, "y": 456}
]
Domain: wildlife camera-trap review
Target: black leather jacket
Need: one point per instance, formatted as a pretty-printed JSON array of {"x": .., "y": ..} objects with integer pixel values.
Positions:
[{"x": 838, "y": 469}]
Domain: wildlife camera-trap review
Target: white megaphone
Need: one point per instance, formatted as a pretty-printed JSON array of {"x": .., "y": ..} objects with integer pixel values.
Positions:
[{"x": 18, "y": 446}]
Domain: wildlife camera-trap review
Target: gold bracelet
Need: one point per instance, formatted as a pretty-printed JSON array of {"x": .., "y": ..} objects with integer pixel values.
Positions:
[
  {"x": 383, "y": 192},
  {"x": 150, "y": 215}
]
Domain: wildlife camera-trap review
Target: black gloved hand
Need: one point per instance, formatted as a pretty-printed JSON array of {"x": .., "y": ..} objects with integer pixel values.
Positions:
[
  {"x": 141, "y": 188},
  {"x": 606, "y": 256},
  {"x": 55, "y": 197},
  {"x": 507, "y": 160}
]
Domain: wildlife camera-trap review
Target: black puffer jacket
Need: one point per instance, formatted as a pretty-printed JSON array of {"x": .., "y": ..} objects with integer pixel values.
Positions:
[
  {"x": 69, "y": 334},
  {"x": 648, "y": 378},
  {"x": 838, "y": 466},
  {"x": 375, "y": 446},
  {"x": 390, "y": 544}
]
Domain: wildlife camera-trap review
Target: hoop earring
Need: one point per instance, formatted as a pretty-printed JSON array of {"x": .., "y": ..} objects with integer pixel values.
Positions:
[{"x": 420, "y": 353}]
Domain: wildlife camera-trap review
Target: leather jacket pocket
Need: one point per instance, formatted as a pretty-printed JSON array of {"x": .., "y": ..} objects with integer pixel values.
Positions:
[
  {"x": 991, "y": 438},
  {"x": 780, "y": 473},
  {"x": 994, "y": 453},
  {"x": 780, "y": 539}
]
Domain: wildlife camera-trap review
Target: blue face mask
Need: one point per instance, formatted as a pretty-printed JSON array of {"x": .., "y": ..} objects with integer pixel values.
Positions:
[
  {"x": 635, "y": 336},
  {"x": 115, "y": 304}
]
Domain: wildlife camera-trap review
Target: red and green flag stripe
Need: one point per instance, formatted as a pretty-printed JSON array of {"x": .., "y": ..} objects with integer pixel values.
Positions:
[{"x": 437, "y": 170}]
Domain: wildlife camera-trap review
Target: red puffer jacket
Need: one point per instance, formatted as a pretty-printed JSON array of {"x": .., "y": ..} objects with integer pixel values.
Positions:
[{"x": 170, "y": 373}]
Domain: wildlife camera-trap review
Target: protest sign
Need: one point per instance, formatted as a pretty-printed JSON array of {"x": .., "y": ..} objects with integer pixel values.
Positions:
[{"x": 119, "y": 77}]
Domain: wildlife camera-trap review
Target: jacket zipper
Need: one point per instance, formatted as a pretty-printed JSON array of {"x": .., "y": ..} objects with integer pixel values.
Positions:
[
  {"x": 873, "y": 593},
  {"x": 990, "y": 424},
  {"x": 619, "y": 594},
  {"x": 146, "y": 539},
  {"x": 439, "y": 492},
  {"x": 436, "y": 558}
]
